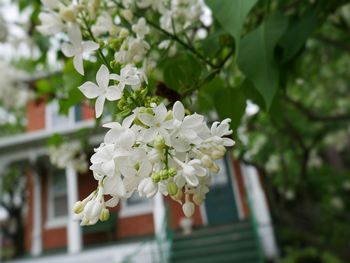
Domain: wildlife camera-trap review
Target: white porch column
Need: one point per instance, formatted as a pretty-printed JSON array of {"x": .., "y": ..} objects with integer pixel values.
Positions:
[
  {"x": 73, "y": 229},
  {"x": 159, "y": 215},
  {"x": 37, "y": 243}
]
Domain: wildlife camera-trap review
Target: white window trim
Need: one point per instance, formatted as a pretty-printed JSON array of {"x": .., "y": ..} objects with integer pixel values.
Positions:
[
  {"x": 53, "y": 222},
  {"x": 128, "y": 210},
  {"x": 48, "y": 113}
]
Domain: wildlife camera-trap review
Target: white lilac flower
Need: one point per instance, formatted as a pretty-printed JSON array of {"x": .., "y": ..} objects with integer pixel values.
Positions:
[
  {"x": 133, "y": 50},
  {"x": 51, "y": 4},
  {"x": 71, "y": 153},
  {"x": 104, "y": 24},
  {"x": 157, "y": 123},
  {"x": 51, "y": 23},
  {"x": 147, "y": 188},
  {"x": 141, "y": 29},
  {"x": 77, "y": 47},
  {"x": 129, "y": 75},
  {"x": 102, "y": 90}
]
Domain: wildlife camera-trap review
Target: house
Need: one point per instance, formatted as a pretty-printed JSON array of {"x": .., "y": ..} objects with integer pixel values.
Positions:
[{"x": 139, "y": 230}]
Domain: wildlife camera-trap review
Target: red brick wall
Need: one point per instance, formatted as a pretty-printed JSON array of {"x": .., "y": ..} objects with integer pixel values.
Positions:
[
  {"x": 88, "y": 111},
  {"x": 28, "y": 219},
  {"x": 36, "y": 115},
  {"x": 240, "y": 186}
]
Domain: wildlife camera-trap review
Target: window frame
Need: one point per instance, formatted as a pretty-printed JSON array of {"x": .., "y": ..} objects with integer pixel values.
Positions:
[
  {"x": 49, "y": 109},
  {"x": 52, "y": 221},
  {"x": 130, "y": 210}
]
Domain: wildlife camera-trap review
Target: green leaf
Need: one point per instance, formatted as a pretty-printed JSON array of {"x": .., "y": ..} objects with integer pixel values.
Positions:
[
  {"x": 252, "y": 94},
  {"x": 55, "y": 140},
  {"x": 230, "y": 103},
  {"x": 231, "y": 14},
  {"x": 207, "y": 93},
  {"x": 256, "y": 58},
  {"x": 181, "y": 72},
  {"x": 297, "y": 33}
]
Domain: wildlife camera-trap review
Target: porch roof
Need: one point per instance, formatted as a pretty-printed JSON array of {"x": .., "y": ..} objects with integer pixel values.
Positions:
[{"x": 32, "y": 144}]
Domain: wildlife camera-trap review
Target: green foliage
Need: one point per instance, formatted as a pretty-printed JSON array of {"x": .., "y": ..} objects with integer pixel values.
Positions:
[
  {"x": 256, "y": 58},
  {"x": 298, "y": 32},
  {"x": 181, "y": 72},
  {"x": 231, "y": 15},
  {"x": 310, "y": 255}
]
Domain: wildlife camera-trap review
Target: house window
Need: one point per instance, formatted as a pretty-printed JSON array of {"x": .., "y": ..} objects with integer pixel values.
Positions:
[
  {"x": 136, "y": 205},
  {"x": 57, "y": 201},
  {"x": 56, "y": 120}
]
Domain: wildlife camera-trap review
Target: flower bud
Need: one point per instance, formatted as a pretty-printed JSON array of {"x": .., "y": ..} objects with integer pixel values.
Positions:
[
  {"x": 127, "y": 14},
  {"x": 104, "y": 216},
  {"x": 172, "y": 172},
  {"x": 123, "y": 33},
  {"x": 188, "y": 208},
  {"x": 164, "y": 174},
  {"x": 214, "y": 168},
  {"x": 217, "y": 154},
  {"x": 156, "y": 177},
  {"x": 207, "y": 161},
  {"x": 172, "y": 188},
  {"x": 78, "y": 207}
]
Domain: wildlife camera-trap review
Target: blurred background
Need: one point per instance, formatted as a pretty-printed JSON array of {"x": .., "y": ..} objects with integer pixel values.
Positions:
[{"x": 283, "y": 191}]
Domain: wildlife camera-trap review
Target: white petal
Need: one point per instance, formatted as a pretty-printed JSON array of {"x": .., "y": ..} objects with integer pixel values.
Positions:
[
  {"x": 228, "y": 142},
  {"x": 90, "y": 90},
  {"x": 68, "y": 50},
  {"x": 112, "y": 202},
  {"x": 128, "y": 121},
  {"x": 89, "y": 46},
  {"x": 114, "y": 186},
  {"x": 147, "y": 119},
  {"x": 145, "y": 169},
  {"x": 102, "y": 77},
  {"x": 178, "y": 111},
  {"x": 192, "y": 180},
  {"x": 108, "y": 167},
  {"x": 127, "y": 171},
  {"x": 150, "y": 134},
  {"x": 99, "y": 106},
  {"x": 192, "y": 121},
  {"x": 160, "y": 112},
  {"x": 113, "y": 93},
  {"x": 74, "y": 35},
  {"x": 115, "y": 77},
  {"x": 78, "y": 63}
]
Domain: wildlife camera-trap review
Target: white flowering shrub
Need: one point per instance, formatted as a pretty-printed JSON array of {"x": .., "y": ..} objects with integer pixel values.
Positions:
[
  {"x": 66, "y": 154},
  {"x": 159, "y": 146}
]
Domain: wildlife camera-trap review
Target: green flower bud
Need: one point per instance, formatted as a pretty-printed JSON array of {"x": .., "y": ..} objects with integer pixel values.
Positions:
[
  {"x": 172, "y": 172},
  {"x": 104, "y": 216},
  {"x": 172, "y": 188},
  {"x": 78, "y": 207},
  {"x": 164, "y": 174},
  {"x": 155, "y": 177}
]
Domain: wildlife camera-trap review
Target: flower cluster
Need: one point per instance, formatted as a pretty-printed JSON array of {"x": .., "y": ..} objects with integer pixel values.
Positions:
[
  {"x": 153, "y": 150},
  {"x": 156, "y": 150},
  {"x": 14, "y": 93},
  {"x": 70, "y": 153}
]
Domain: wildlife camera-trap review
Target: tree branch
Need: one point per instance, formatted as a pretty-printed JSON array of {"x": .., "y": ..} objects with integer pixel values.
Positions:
[{"x": 314, "y": 116}]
